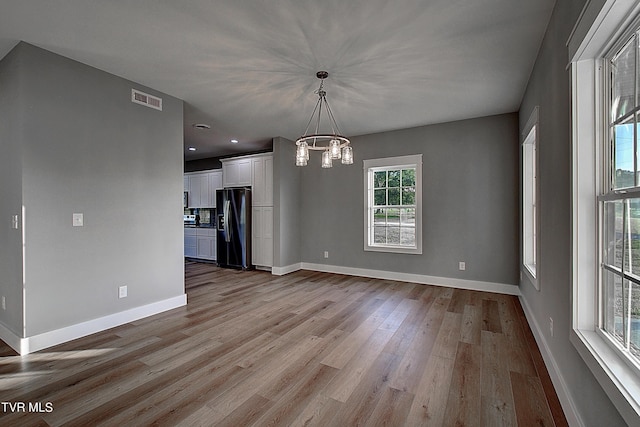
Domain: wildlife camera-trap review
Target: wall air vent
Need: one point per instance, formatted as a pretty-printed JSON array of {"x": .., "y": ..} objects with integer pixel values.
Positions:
[{"x": 146, "y": 99}]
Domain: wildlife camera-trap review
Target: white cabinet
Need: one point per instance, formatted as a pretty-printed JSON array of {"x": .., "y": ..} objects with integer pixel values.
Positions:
[
  {"x": 262, "y": 180},
  {"x": 199, "y": 190},
  {"x": 215, "y": 183},
  {"x": 262, "y": 236},
  {"x": 190, "y": 243},
  {"x": 236, "y": 172},
  {"x": 200, "y": 243},
  {"x": 206, "y": 243},
  {"x": 202, "y": 187}
]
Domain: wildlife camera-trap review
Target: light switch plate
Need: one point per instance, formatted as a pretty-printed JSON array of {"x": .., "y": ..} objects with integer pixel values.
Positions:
[
  {"x": 78, "y": 220},
  {"x": 14, "y": 222}
]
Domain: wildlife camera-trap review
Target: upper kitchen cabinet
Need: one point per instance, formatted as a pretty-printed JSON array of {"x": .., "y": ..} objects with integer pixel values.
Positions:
[
  {"x": 253, "y": 170},
  {"x": 202, "y": 188},
  {"x": 236, "y": 172}
]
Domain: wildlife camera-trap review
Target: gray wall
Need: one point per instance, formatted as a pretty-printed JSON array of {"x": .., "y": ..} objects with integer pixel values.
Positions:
[
  {"x": 286, "y": 201},
  {"x": 10, "y": 193},
  {"x": 470, "y": 201},
  {"x": 87, "y": 148},
  {"x": 549, "y": 87}
]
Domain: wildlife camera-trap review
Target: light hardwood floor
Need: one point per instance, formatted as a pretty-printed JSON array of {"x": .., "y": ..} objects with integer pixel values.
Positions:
[{"x": 303, "y": 349}]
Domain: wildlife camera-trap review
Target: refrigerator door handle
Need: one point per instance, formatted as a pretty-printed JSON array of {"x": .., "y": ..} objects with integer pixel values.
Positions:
[{"x": 227, "y": 211}]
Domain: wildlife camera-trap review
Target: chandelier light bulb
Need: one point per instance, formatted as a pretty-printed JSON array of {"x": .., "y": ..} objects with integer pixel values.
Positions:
[
  {"x": 326, "y": 159},
  {"x": 347, "y": 155},
  {"x": 334, "y": 149}
]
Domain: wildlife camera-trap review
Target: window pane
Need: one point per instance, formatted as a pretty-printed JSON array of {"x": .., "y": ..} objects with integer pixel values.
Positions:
[
  {"x": 407, "y": 217},
  {"x": 393, "y": 216},
  {"x": 380, "y": 179},
  {"x": 612, "y": 298},
  {"x": 632, "y": 234},
  {"x": 408, "y": 196},
  {"x": 394, "y": 196},
  {"x": 623, "y": 155},
  {"x": 379, "y": 234},
  {"x": 394, "y": 178},
  {"x": 408, "y": 177},
  {"x": 380, "y": 197},
  {"x": 613, "y": 233},
  {"x": 623, "y": 81},
  {"x": 634, "y": 334},
  {"x": 407, "y": 236},
  {"x": 379, "y": 216},
  {"x": 393, "y": 235}
]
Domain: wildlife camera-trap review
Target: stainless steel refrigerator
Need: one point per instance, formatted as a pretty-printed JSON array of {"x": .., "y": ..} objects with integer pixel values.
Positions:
[{"x": 234, "y": 228}]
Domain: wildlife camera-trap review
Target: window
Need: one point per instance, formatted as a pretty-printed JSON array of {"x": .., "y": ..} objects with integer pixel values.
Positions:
[
  {"x": 620, "y": 202},
  {"x": 393, "y": 204},
  {"x": 605, "y": 197},
  {"x": 529, "y": 196}
]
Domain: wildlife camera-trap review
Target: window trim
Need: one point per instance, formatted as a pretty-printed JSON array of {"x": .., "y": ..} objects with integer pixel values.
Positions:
[
  {"x": 589, "y": 131},
  {"x": 394, "y": 162},
  {"x": 530, "y": 245}
]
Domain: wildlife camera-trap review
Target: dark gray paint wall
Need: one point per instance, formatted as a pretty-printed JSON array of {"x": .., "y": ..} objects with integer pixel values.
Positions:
[
  {"x": 10, "y": 193},
  {"x": 87, "y": 148},
  {"x": 549, "y": 88},
  {"x": 470, "y": 201}
]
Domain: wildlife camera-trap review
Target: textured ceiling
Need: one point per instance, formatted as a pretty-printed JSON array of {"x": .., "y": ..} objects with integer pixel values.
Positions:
[{"x": 247, "y": 68}]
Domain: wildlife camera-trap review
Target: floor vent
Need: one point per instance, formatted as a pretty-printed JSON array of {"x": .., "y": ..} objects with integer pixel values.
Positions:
[{"x": 146, "y": 99}]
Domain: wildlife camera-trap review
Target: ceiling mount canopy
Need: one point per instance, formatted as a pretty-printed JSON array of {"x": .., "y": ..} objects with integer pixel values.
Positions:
[{"x": 333, "y": 145}]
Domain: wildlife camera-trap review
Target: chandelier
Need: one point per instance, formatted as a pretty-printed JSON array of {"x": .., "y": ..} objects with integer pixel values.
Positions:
[{"x": 333, "y": 145}]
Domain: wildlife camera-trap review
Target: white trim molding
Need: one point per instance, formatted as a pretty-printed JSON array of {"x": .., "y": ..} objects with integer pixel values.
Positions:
[
  {"x": 48, "y": 339},
  {"x": 559, "y": 383},
  {"x": 281, "y": 271},
  {"x": 500, "y": 288}
]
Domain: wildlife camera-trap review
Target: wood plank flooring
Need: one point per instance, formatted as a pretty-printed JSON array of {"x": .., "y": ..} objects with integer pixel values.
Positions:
[{"x": 305, "y": 349}]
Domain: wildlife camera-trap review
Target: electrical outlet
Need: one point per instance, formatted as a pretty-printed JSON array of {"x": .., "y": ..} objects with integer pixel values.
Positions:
[
  {"x": 4, "y": 303},
  {"x": 326, "y": 254},
  {"x": 122, "y": 292},
  {"x": 78, "y": 220},
  {"x": 551, "y": 325},
  {"x": 462, "y": 265}
]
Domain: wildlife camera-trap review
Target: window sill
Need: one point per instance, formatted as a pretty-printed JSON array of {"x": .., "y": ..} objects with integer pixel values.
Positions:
[
  {"x": 394, "y": 249},
  {"x": 531, "y": 272},
  {"x": 619, "y": 381}
]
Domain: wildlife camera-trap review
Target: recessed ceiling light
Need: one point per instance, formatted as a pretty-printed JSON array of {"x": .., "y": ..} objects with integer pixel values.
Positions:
[
  {"x": 234, "y": 141},
  {"x": 202, "y": 126},
  {"x": 192, "y": 148}
]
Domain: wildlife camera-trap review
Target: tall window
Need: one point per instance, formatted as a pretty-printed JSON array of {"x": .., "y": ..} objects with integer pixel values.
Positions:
[
  {"x": 393, "y": 204},
  {"x": 605, "y": 195},
  {"x": 529, "y": 197},
  {"x": 620, "y": 224}
]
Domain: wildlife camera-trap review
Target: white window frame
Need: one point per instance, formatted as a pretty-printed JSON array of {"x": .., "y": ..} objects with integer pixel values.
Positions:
[
  {"x": 530, "y": 222},
  {"x": 392, "y": 163},
  {"x": 589, "y": 42}
]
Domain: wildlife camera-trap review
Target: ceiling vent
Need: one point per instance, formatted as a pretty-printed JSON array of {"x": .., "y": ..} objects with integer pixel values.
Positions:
[{"x": 146, "y": 99}]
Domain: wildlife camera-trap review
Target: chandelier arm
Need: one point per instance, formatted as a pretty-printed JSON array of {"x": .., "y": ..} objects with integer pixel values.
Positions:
[
  {"x": 311, "y": 118},
  {"x": 332, "y": 120},
  {"x": 320, "y": 100}
]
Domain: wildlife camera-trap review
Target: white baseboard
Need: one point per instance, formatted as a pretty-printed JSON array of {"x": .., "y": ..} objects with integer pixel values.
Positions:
[
  {"x": 281, "y": 271},
  {"x": 49, "y": 339},
  {"x": 500, "y": 288},
  {"x": 568, "y": 405},
  {"x": 9, "y": 337}
]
